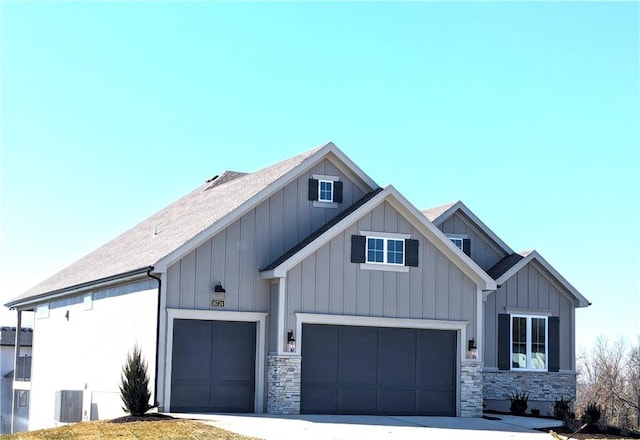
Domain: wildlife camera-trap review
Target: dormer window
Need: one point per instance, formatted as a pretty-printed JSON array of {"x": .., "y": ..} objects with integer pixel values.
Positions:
[
  {"x": 462, "y": 242},
  {"x": 325, "y": 191}
]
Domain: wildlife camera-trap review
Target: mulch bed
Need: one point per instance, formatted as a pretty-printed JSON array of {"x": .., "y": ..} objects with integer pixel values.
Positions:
[
  {"x": 593, "y": 432},
  {"x": 151, "y": 417}
]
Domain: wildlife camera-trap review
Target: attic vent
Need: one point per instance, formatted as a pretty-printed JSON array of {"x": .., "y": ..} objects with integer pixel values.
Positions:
[{"x": 225, "y": 177}]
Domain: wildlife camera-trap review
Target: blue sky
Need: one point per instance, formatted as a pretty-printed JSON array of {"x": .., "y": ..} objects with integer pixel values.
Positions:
[{"x": 528, "y": 112}]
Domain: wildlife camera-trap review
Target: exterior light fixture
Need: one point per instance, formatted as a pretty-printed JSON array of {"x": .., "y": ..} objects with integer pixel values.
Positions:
[
  {"x": 219, "y": 288},
  {"x": 473, "y": 349},
  {"x": 291, "y": 342}
]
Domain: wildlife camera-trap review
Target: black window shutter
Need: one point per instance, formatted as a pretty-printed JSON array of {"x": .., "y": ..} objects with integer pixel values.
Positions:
[
  {"x": 358, "y": 248},
  {"x": 411, "y": 252},
  {"x": 313, "y": 189},
  {"x": 554, "y": 343},
  {"x": 337, "y": 192},
  {"x": 466, "y": 246},
  {"x": 504, "y": 341}
]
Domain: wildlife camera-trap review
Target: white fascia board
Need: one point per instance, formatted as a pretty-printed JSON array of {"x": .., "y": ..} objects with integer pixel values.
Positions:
[
  {"x": 353, "y": 170},
  {"x": 459, "y": 206},
  {"x": 441, "y": 241},
  {"x": 534, "y": 255}
]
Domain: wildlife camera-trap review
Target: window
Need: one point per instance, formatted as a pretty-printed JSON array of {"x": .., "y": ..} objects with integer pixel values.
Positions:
[
  {"x": 528, "y": 342},
  {"x": 457, "y": 241},
  {"x": 385, "y": 251},
  {"x": 325, "y": 191}
]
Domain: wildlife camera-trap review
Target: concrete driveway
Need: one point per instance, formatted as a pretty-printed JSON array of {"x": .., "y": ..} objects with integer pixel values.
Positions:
[{"x": 310, "y": 427}]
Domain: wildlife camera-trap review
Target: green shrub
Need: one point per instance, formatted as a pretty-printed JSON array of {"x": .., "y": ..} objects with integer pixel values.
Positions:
[
  {"x": 561, "y": 408},
  {"x": 134, "y": 384},
  {"x": 592, "y": 414},
  {"x": 518, "y": 402}
]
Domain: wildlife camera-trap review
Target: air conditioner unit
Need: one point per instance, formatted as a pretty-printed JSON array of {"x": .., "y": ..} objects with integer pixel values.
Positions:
[{"x": 68, "y": 407}]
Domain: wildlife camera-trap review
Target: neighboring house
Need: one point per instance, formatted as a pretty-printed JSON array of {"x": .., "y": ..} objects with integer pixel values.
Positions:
[
  {"x": 529, "y": 322},
  {"x": 8, "y": 375},
  {"x": 303, "y": 287}
]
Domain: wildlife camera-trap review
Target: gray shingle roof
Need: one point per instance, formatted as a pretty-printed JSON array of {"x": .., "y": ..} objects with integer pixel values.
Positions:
[
  {"x": 502, "y": 266},
  {"x": 179, "y": 222},
  {"x": 437, "y": 211}
]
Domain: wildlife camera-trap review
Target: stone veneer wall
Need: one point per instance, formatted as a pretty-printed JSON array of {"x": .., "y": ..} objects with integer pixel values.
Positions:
[
  {"x": 471, "y": 389},
  {"x": 283, "y": 384},
  {"x": 541, "y": 386}
]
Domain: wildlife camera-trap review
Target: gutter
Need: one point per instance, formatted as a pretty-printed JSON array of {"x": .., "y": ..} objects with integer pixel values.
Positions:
[
  {"x": 123, "y": 277},
  {"x": 155, "y": 380}
]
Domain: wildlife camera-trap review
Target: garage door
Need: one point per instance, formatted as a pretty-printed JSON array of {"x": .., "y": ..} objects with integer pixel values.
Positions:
[
  {"x": 370, "y": 370},
  {"x": 213, "y": 368}
]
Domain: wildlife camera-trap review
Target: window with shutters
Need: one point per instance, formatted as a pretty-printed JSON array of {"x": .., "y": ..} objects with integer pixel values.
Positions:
[
  {"x": 325, "y": 191},
  {"x": 457, "y": 241},
  {"x": 529, "y": 338},
  {"x": 385, "y": 251}
]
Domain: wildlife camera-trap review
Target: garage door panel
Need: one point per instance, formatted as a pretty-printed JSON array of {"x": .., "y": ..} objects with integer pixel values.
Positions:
[
  {"x": 394, "y": 401},
  {"x": 357, "y": 354},
  {"x": 318, "y": 400},
  {"x": 378, "y": 370},
  {"x": 189, "y": 393},
  {"x": 435, "y": 402},
  {"x": 230, "y": 398},
  {"x": 357, "y": 400}
]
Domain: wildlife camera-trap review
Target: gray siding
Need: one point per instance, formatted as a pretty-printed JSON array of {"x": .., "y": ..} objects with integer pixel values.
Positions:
[
  {"x": 483, "y": 251},
  {"x": 530, "y": 290},
  {"x": 234, "y": 255},
  {"x": 327, "y": 281}
]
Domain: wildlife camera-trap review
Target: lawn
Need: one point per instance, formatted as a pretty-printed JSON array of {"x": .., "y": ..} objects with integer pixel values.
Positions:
[{"x": 167, "y": 429}]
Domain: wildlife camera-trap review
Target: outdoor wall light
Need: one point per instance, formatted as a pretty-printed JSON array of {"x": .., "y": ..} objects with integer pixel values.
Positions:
[
  {"x": 291, "y": 342},
  {"x": 473, "y": 349},
  {"x": 219, "y": 288}
]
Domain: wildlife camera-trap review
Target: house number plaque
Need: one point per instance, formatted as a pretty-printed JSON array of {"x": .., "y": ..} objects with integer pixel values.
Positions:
[{"x": 217, "y": 303}]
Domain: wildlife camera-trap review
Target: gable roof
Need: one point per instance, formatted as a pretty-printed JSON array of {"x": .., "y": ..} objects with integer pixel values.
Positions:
[
  {"x": 321, "y": 230},
  {"x": 185, "y": 222},
  {"x": 526, "y": 258},
  {"x": 498, "y": 269},
  {"x": 324, "y": 234},
  {"x": 439, "y": 214}
]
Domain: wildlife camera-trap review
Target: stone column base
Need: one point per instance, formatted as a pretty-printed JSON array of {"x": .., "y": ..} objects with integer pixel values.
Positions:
[
  {"x": 283, "y": 384},
  {"x": 471, "y": 389}
]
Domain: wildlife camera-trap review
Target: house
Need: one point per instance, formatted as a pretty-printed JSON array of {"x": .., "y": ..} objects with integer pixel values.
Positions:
[
  {"x": 8, "y": 367},
  {"x": 529, "y": 321},
  {"x": 303, "y": 287}
]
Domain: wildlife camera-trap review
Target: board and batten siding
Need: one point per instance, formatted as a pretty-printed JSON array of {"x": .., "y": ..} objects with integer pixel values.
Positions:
[
  {"x": 327, "y": 282},
  {"x": 529, "y": 291},
  {"x": 483, "y": 251},
  {"x": 234, "y": 255}
]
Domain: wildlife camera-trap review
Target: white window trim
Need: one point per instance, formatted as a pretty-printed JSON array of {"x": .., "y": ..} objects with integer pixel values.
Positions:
[
  {"x": 215, "y": 315},
  {"x": 320, "y": 182},
  {"x": 457, "y": 237},
  {"x": 528, "y": 342},
  {"x": 325, "y": 203},
  {"x": 385, "y": 241}
]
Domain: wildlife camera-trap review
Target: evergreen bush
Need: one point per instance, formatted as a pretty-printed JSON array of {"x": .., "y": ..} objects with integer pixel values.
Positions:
[{"x": 134, "y": 384}]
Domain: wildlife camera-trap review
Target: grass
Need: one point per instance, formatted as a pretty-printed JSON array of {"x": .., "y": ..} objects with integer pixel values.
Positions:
[{"x": 167, "y": 429}]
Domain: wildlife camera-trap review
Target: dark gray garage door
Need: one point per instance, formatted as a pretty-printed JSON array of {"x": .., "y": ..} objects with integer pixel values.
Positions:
[
  {"x": 213, "y": 367},
  {"x": 370, "y": 370}
]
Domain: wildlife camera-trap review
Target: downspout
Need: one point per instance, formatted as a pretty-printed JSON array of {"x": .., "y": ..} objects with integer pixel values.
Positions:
[{"x": 155, "y": 381}]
